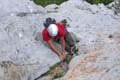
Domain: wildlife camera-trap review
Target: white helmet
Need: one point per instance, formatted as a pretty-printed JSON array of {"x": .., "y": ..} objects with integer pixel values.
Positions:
[{"x": 52, "y": 30}]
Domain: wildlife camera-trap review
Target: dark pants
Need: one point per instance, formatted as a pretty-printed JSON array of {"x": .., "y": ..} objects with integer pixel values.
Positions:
[{"x": 70, "y": 42}]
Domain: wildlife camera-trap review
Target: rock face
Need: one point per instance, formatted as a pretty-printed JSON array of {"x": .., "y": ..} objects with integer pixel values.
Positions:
[
  {"x": 9, "y": 7},
  {"x": 18, "y": 30},
  {"x": 102, "y": 63},
  {"x": 12, "y": 71},
  {"x": 23, "y": 56}
]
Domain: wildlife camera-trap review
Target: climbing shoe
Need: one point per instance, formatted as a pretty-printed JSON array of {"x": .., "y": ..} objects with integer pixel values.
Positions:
[{"x": 74, "y": 50}]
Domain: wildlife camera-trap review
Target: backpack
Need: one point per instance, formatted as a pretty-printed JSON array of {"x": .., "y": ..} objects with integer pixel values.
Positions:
[{"x": 48, "y": 22}]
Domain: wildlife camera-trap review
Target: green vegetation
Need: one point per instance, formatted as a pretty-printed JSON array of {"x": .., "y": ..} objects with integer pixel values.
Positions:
[
  {"x": 68, "y": 59},
  {"x": 59, "y": 75},
  {"x": 47, "y": 2},
  {"x": 100, "y": 1},
  {"x": 51, "y": 70}
]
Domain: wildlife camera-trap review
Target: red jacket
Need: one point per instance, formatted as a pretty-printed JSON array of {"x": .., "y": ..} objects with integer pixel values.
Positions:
[{"x": 61, "y": 33}]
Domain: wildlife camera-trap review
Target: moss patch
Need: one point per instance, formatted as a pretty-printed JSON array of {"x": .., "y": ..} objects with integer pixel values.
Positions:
[{"x": 60, "y": 74}]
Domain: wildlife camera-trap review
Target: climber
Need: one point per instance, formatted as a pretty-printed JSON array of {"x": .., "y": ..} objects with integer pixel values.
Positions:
[{"x": 57, "y": 32}]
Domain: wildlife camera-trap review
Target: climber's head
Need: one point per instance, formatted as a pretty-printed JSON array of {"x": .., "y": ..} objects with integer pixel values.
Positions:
[{"x": 52, "y": 30}]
